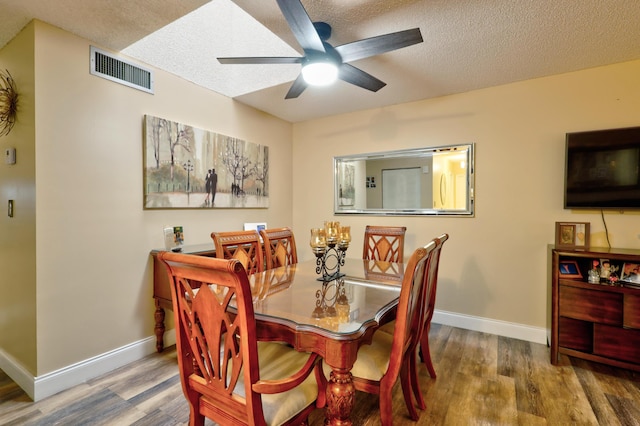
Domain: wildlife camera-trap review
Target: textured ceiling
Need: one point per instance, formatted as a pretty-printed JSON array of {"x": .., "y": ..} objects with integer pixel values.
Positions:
[{"x": 468, "y": 45}]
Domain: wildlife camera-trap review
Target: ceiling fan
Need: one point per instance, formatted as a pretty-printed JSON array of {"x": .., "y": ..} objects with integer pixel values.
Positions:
[{"x": 322, "y": 63}]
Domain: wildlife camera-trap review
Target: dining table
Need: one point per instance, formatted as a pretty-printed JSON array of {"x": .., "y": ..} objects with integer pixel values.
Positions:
[
  {"x": 331, "y": 318},
  {"x": 334, "y": 318}
]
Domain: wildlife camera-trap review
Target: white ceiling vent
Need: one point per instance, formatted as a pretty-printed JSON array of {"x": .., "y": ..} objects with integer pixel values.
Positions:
[{"x": 107, "y": 66}]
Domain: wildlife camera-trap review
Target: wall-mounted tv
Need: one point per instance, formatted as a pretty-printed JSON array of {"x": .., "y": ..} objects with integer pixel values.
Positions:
[{"x": 602, "y": 169}]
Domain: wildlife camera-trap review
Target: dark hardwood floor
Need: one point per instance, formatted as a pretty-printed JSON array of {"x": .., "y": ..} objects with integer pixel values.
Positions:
[{"x": 482, "y": 379}]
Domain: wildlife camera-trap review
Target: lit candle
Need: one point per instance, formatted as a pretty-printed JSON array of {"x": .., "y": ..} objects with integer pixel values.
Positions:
[
  {"x": 318, "y": 240},
  {"x": 345, "y": 235},
  {"x": 332, "y": 229}
]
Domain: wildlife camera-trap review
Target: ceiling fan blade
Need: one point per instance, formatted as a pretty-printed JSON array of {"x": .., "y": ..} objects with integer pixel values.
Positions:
[
  {"x": 301, "y": 25},
  {"x": 296, "y": 88},
  {"x": 260, "y": 60},
  {"x": 356, "y": 76},
  {"x": 380, "y": 44}
]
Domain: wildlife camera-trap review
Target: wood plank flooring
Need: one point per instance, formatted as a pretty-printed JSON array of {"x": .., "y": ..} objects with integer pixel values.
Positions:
[{"x": 482, "y": 379}]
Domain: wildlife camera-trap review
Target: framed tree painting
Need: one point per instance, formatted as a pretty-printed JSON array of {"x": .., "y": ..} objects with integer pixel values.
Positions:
[{"x": 190, "y": 168}]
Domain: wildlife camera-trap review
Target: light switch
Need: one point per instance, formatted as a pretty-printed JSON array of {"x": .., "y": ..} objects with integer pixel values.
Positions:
[
  {"x": 10, "y": 156},
  {"x": 10, "y": 208}
]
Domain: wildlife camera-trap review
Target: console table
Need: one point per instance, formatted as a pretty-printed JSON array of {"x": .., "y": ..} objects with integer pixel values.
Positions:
[
  {"x": 598, "y": 322},
  {"x": 161, "y": 288}
]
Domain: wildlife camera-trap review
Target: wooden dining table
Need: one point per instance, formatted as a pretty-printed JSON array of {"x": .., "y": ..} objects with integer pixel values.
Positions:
[{"x": 332, "y": 319}]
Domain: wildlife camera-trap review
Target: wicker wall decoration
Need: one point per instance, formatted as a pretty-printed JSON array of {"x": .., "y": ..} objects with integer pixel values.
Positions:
[{"x": 8, "y": 102}]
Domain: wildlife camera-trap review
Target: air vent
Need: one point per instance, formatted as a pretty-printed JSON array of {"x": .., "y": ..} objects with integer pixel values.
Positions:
[{"x": 108, "y": 66}]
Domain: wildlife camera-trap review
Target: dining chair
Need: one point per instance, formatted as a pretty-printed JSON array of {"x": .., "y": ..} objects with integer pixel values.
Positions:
[
  {"x": 242, "y": 245},
  {"x": 384, "y": 243},
  {"x": 279, "y": 247},
  {"x": 428, "y": 305},
  {"x": 226, "y": 374},
  {"x": 423, "y": 333},
  {"x": 379, "y": 365}
]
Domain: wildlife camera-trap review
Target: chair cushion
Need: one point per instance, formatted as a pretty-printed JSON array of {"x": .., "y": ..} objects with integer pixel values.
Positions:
[
  {"x": 388, "y": 328},
  {"x": 279, "y": 361},
  {"x": 373, "y": 359}
]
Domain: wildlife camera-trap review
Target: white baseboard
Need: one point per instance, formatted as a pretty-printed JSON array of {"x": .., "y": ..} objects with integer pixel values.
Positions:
[
  {"x": 491, "y": 326},
  {"x": 51, "y": 383},
  {"x": 17, "y": 372}
]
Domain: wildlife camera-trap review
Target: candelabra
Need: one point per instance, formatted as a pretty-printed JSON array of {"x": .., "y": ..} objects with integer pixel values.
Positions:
[{"x": 330, "y": 247}]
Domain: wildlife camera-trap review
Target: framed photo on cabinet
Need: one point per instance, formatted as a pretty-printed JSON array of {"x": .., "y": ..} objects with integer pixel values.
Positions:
[
  {"x": 631, "y": 273},
  {"x": 569, "y": 269},
  {"x": 572, "y": 235}
]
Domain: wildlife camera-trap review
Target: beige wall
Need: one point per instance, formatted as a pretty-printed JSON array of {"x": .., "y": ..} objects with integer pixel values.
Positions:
[
  {"x": 18, "y": 234},
  {"x": 93, "y": 236},
  {"x": 494, "y": 265}
]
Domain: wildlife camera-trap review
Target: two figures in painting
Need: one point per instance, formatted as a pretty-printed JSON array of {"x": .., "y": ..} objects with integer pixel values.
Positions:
[
  {"x": 186, "y": 167},
  {"x": 211, "y": 184}
]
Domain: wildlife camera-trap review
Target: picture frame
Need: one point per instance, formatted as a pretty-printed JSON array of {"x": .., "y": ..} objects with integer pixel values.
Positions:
[
  {"x": 630, "y": 273},
  {"x": 173, "y": 237},
  {"x": 573, "y": 235},
  {"x": 186, "y": 167},
  {"x": 569, "y": 269},
  {"x": 255, "y": 226}
]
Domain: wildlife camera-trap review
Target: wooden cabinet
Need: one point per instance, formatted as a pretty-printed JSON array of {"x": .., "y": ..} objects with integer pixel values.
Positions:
[
  {"x": 597, "y": 322},
  {"x": 162, "y": 290}
]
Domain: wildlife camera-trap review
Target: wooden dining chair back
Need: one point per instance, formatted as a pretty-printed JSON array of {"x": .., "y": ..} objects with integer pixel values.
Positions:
[
  {"x": 428, "y": 304},
  {"x": 384, "y": 243},
  {"x": 431, "y": 289},
  {"x": 226, "y": 374},
  {"x": 244, "y": 246},
  {"x": 279, "y": 247},
  {"x": 379, "y": 365}
]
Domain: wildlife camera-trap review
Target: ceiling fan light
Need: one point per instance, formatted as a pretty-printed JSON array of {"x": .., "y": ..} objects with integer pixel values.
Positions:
[{"x": 320, "y": 73}]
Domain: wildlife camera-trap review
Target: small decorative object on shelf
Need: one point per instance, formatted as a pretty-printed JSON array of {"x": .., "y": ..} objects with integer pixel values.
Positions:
[
  {"x": 613, "y": 276},
  {"x": 605, "y": 269},
  {"x": 594, "y": 274},
  {"x": 173, "y": 238},
  {"x": 330, "y": 247},
  {"x": 603, "y": 272}
]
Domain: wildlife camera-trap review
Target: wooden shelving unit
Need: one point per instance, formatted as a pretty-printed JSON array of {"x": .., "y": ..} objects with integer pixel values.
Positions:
[{"x": 597, "y": 322}]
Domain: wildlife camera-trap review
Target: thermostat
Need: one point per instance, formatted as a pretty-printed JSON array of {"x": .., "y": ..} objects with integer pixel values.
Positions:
[{"x": 10, "y": 156}]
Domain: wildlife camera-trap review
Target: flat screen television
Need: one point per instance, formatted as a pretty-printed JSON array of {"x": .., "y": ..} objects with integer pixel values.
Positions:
[{"x": 602, "y": 169}]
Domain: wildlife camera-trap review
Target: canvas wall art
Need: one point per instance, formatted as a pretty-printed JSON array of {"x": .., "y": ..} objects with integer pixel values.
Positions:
[{"x": 190, "y": 168}]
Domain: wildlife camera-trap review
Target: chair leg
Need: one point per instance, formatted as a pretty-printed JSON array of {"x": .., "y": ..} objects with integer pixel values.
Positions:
[
  {"x": 386, "y": 412},
  {"x": 426, "y": 354},
  {"x": 415, "y": 385},
  {"x": 196, "y": 418},
  {"x": 406, "y": 381}
]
